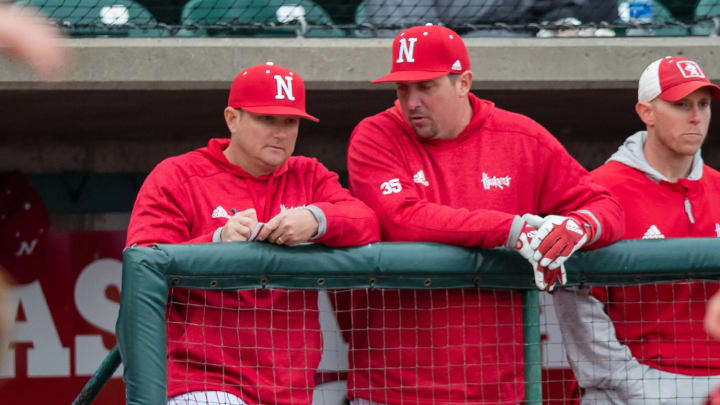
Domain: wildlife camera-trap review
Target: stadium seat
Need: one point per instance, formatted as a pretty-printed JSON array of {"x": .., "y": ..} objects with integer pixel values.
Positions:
[
  {"x": 361, "y": 21},
  {"x": 260, "y": 18},
  {"x": 707, "y": 16},
  {"x": 661, "y": 15},
  {"x": 115, "y": 18}
]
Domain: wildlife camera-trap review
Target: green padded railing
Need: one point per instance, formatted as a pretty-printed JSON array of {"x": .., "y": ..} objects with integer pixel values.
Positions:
[{"x": 148, "y": 273}]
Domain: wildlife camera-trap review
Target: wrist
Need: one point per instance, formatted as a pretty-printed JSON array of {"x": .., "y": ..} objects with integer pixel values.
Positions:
[
  {"x": 516, "y": 228},
  {"x": 217, "y": 235},
  {"x": 320, "y": 219},
  {"x": 586, "y": 224}
]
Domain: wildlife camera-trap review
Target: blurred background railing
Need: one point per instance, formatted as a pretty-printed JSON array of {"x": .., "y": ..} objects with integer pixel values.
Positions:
[{"x": 378, "y": 18}]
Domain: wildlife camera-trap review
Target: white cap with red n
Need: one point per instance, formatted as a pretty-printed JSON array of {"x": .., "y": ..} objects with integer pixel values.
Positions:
[{"x": 673, "y": 78}]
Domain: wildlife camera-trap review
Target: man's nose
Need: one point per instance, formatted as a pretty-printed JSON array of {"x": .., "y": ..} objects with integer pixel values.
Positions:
[
  {"x": 414, "y": 99},
  {"x": 695, "y": 114}
]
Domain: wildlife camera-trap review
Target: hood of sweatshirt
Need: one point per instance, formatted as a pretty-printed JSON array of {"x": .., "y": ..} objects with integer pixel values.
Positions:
[{"x": 631, "y": 154}]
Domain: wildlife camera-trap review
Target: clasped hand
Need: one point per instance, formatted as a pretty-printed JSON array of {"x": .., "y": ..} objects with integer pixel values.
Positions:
[
  {"x": 547, "y": 242},
  {"x": 289, "y": 227}
]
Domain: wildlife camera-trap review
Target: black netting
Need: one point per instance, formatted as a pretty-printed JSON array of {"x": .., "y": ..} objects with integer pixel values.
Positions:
[{"x": 370, "y": 18}]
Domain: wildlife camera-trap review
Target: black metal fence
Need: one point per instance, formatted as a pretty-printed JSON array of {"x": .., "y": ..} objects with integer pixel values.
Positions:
[{"x": 372, "y": 18}]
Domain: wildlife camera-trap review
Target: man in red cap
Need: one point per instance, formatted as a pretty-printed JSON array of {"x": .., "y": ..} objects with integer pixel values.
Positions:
[
  {"x": 646, "y": 344},
  {"x": 444, "y": 166},
  {"x": 256, "y": 346}
]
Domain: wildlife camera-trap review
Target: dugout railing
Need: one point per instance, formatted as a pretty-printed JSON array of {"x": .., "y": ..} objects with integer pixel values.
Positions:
[{"x": 149, "y": 273}]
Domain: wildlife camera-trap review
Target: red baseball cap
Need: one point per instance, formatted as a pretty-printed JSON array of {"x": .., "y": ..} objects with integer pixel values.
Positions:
[
  {"x": 269, "y": 89},
  {"x": 426, "y": 52},
  {"x": 673, "y": 78}
]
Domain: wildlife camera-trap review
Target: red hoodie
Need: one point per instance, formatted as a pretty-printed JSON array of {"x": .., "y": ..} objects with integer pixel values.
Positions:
[
  {"x": 457, "y": 346},
  {"x": 662, "y": 324},
  {"x": 261, "y": 345}
]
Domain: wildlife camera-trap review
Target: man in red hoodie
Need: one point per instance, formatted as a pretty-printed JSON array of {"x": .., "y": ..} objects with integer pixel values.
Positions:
[
  {"x": 646, "y": 344},
  {"x": 444, "y": 166},
  {"x": 257, "y": 346}
]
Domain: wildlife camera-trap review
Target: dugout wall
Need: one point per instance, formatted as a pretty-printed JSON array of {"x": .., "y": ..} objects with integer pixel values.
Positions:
[{"x": 148, "y": 273}]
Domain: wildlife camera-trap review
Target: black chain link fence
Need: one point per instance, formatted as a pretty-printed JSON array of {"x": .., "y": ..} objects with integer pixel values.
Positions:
[{"x": 380, "y": 18}]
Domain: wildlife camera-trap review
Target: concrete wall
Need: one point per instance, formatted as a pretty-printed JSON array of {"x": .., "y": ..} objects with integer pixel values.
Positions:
[
  {"x": 122, "y": 105},
  {"x": 349, "y": 64}
]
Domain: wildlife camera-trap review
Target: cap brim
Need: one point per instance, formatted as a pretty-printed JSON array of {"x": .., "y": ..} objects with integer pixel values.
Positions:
[
  {"x": 683, "y": 90},
  {"x": 410, "y": 76},
  {"x": 280, "y": 110}
]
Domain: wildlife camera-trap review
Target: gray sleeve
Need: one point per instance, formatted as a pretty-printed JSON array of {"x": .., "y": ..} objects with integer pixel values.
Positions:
[
  {"x": 217, "y": 235},
  {"x": 598, "y": 226},
  {"x": 321, "y": 220},
  {"x": 596, "y": 356},
  {"x": 515, "y": 229}
]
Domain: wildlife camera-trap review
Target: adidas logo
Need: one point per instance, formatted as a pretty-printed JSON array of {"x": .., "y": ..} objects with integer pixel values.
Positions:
[
  {"x": 457, "y": 65},
  {"x": 573, "y": 227},
  {"x": 653, "y": 233},
  {"x": 419, "y": 178},
  {"x": 220, "y": 212}
]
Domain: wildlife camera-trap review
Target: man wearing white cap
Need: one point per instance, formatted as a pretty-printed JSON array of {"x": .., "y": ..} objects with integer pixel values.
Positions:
[
  {"x": 444, "y": 166},
  {"x": 646, "y": 344},
  {"x": 255, "y": 346}
]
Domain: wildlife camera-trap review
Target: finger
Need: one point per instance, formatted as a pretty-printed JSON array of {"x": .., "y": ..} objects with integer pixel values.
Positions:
[
  {"x": 533, "y": 220},
  {"x": 268, "y": 229},
  {"x": 553, "y": 253},
  {"x": 248, "y": 213},
  {"x": 539, "y": 277},
  {"x": 551, "y": 276},
  {"x": 559, "y": 261},
  {"x": 559, "y": 258},
  {"x": 235, "y": 232},
  {"x": 541, "y": 234},
  {"x": 244, "y": 221},
  {"x": 276, "y": 237},
  {"x": 547, "y": 243}
]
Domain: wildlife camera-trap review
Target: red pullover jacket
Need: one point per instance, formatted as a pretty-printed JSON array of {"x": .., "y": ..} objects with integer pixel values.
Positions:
[
  {"x": 662, "y": 324},
  {"x": 457, "y": 346},
  {"x": 260, "y": 345}
]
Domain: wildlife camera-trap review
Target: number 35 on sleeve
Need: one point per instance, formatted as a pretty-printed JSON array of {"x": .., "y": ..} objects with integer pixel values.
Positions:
[{"x": 391, "y": 186}]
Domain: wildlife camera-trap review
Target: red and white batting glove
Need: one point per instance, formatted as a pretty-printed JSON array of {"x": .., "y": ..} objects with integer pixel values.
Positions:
[
  {"x": 557, "y": 238},
  {"x": 522, "y": 245},
  {"x": 545, "y": 279}
]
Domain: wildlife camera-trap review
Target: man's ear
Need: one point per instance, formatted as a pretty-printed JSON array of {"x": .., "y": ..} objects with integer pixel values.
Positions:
[
  {"x": 646, "y": 113},
  {"x": 231, "y": 118},
  {"x": 464, "y": 83}
]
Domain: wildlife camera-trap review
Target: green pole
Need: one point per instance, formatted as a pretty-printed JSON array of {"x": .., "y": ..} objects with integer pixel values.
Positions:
[
  {"x": 98, "y": 380},
  {"x": 531, "y": 343}
]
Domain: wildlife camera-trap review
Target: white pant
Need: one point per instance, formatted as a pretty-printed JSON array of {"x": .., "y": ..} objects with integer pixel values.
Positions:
[
  {"x": 360, "y": 401},
  {"x": 206, "y": 398},
  {"x": 656, "y": 388},
  {"x": 606, "y": 368}
]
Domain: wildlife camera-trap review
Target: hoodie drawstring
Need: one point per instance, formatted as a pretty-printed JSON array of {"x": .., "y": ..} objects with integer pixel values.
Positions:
[{"x": 688, "y": 211}]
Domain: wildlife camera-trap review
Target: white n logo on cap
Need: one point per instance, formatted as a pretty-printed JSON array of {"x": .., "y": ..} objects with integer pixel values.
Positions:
[
  {"x": 690, "y": 69},
  {"x": 406, "y": 50},
  {"x": 284, "y": 88}
]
